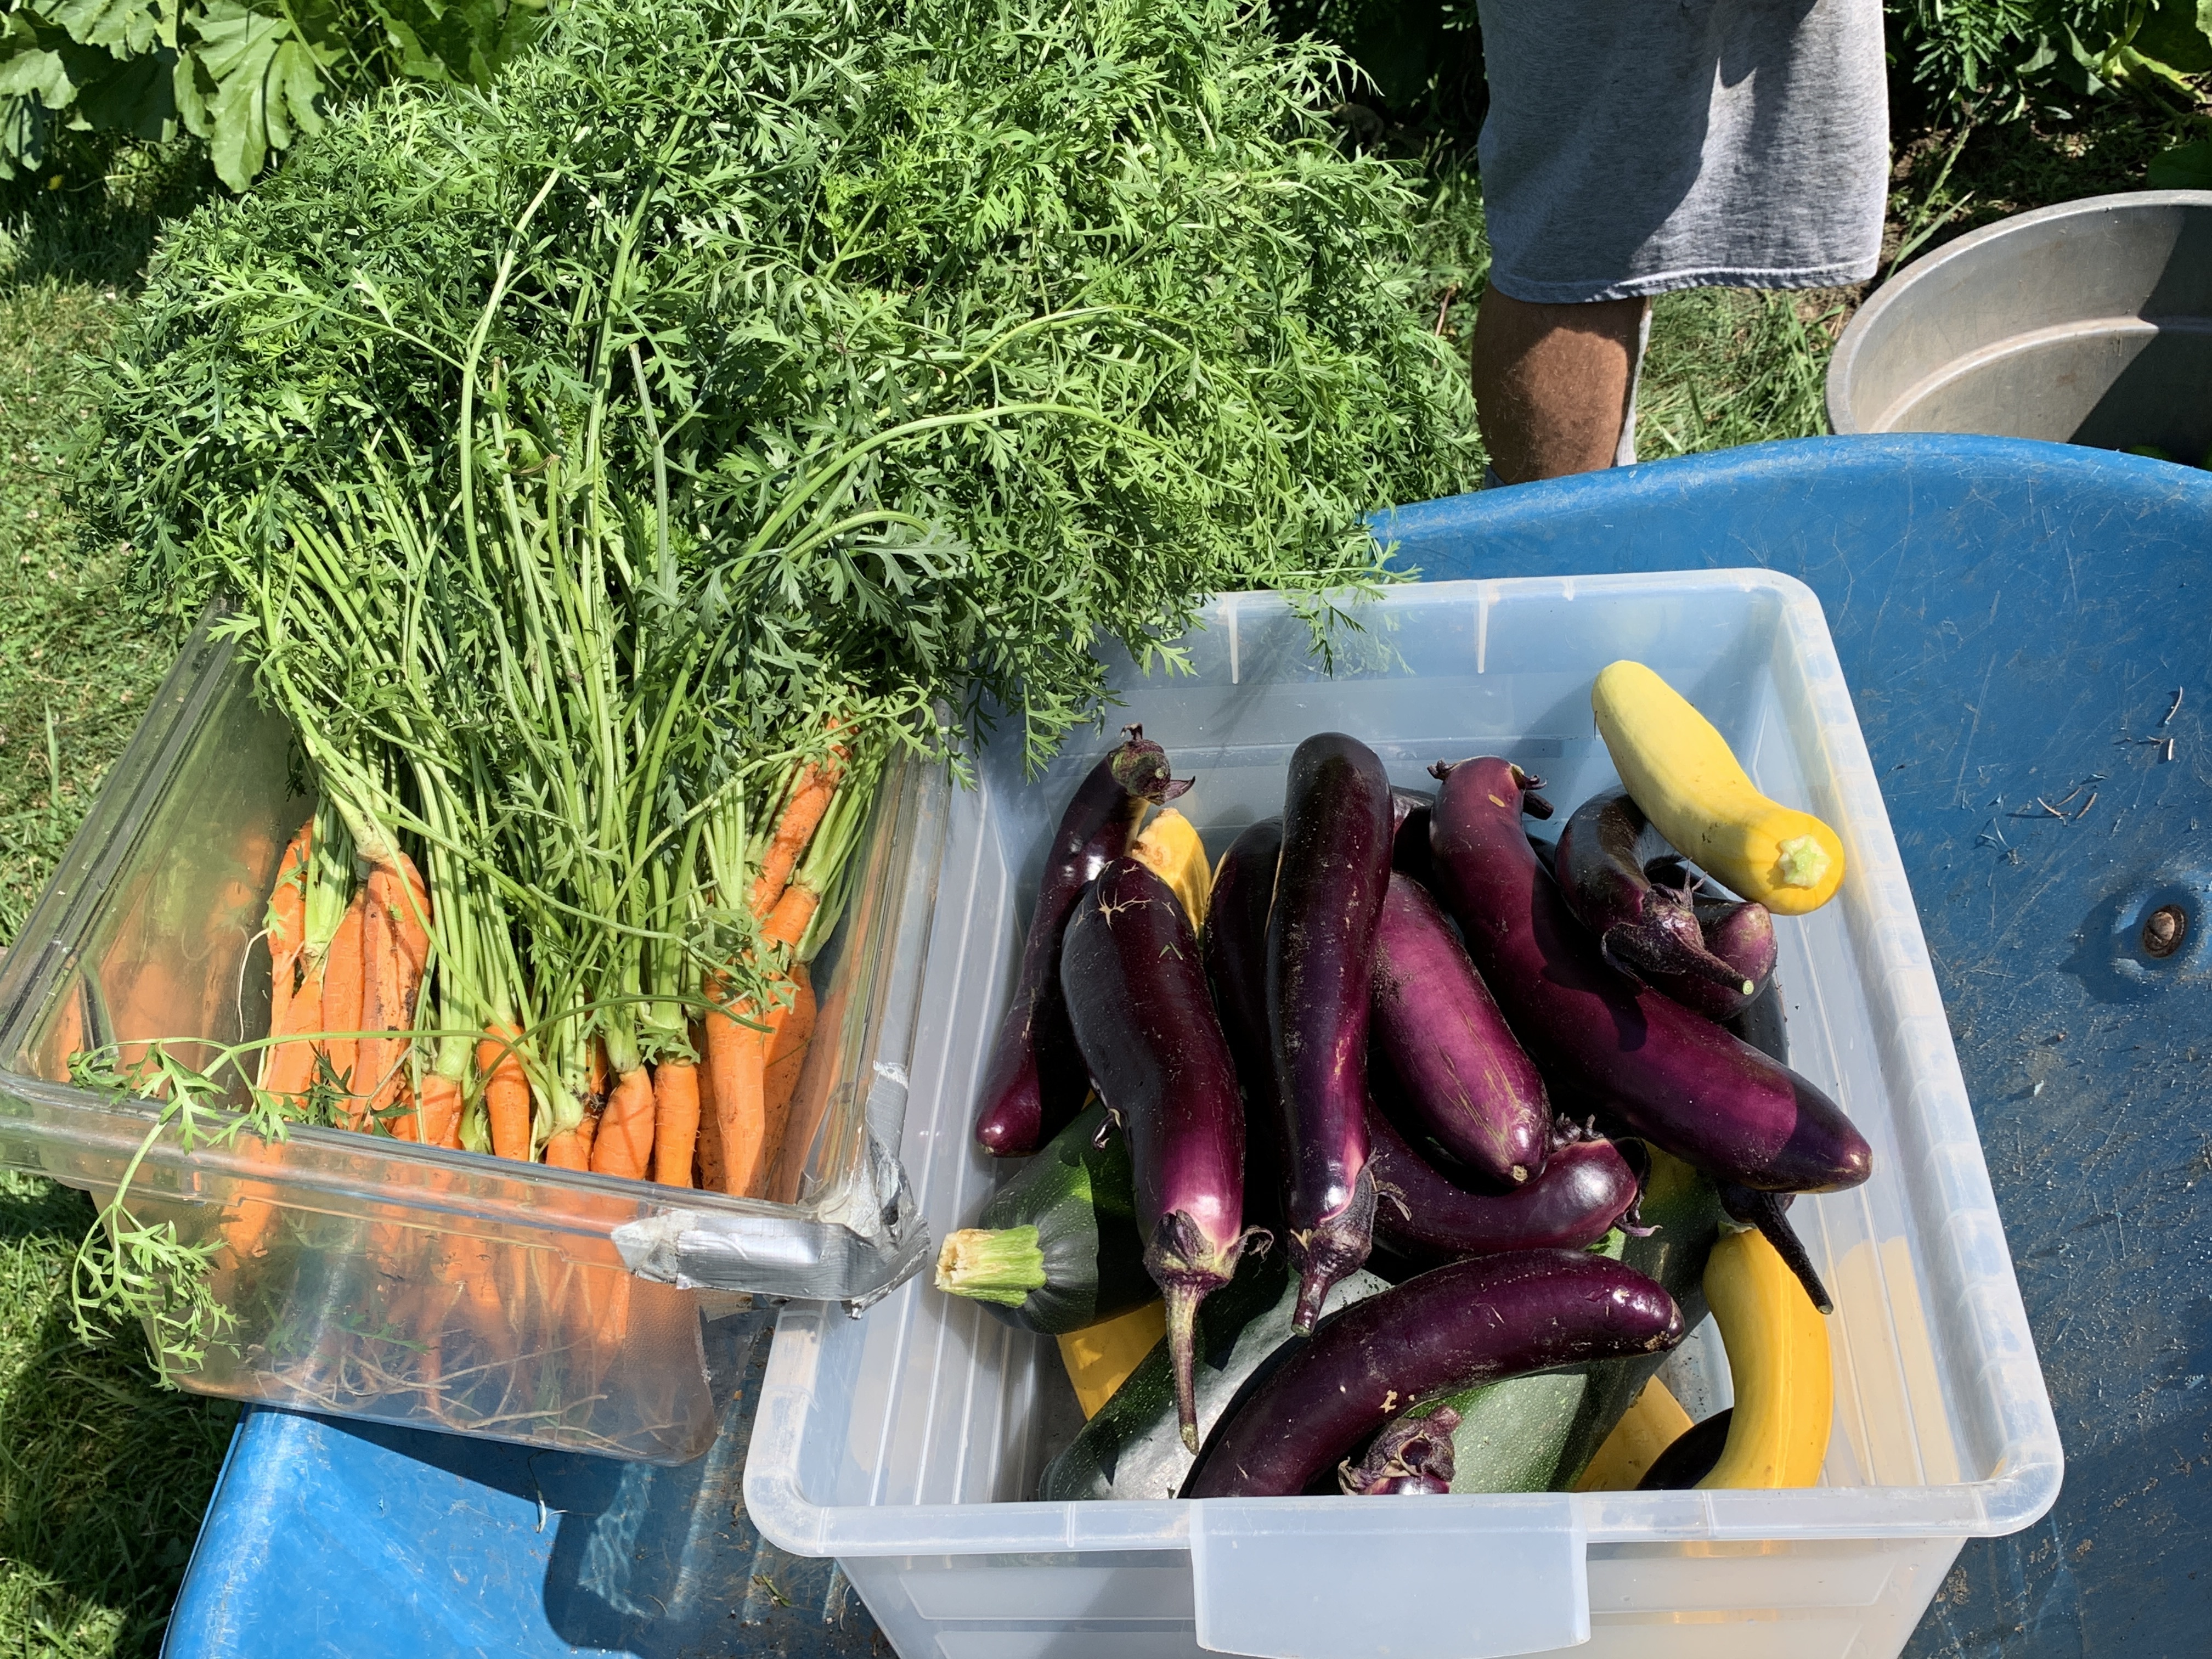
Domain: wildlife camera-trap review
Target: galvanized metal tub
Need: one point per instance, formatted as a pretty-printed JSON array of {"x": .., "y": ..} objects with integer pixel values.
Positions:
[{"x": 2087, "y": 323}]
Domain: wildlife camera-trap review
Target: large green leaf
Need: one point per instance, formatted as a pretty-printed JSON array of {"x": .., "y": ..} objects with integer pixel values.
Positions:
[
  {"x": 23, "y": 126},
  {"x": 124, "y": 27},
  {"x": 251, "y": 80},
  {"x": 459, "y": 41}
]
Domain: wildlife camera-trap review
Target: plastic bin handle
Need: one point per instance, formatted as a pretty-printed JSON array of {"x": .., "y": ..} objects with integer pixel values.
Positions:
[{"x": 1387, "y": 1578}]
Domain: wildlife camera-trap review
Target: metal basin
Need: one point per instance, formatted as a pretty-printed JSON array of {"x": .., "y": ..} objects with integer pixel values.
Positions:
[{"x": 2087, "y": 323}]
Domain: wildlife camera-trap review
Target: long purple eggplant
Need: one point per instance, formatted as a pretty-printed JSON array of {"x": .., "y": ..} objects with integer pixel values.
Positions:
[
  {"x": 1236, "y": 948},
  {"x": 1604, "y": 1043},
  {"x": 1457, "y": 1064},
  {"x": 1321, "y": 939},
  {"x": 1643, "y": 930},
  {"x": 1450, "y": 1328},
  {"x": 1145, "y": 1025},
  {"x": 1035, "y": 1082},
  {"x": 1424, "y": 1216}
]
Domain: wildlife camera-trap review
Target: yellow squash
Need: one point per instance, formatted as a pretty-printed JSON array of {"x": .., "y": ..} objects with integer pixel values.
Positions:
[
  {"x": 1099, "y": 1358},
  {"x": 1680, "y": 771},
  {"x": 1171, "y": 849},
  {"x": 1655, "y": 1422},
  {"x": 1778, "y": 1352}
]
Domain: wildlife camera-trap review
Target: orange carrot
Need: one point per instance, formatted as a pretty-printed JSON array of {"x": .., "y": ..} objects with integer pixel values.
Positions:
[
  {"x": 506, "y": 1092},
  {"x": 376, "y": 1078},
  {"x": 566, "y": 1149},
  {"x": 786, "y": 924},
  {"x": 288, "y": 931},
  {"x": 737, "y": 1057},
  {"x": 624, "y": 1145},
  {"x": 341, "y": 974},
  {"x": 440, "y": 1111},
  {"x": 675, "y": 1122},
  {"x": 292, "y": 1065},
  {"x": 802, "y": 816},
  {"x": 787, "y": 1058}
]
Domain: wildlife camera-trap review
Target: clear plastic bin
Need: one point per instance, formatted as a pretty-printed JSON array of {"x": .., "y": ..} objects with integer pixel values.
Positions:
[
  {"x": 907, "y": 1444},
  {"x": 439, "y": 1289}
]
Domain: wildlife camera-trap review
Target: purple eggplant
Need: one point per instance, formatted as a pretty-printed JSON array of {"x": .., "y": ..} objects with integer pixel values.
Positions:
[
  {"x": 1460, "y": 1069},
  {"x": 1414, "y": 1455},
  {"x": 1321, "y": 939},
  {"x": 1450, "y": 1328},
  {"x": 1145, "y": 1024},
  {"x": 1422, "y": 1215},
  {"x": 1645, "y": 930},
  {"x": 1409, "y": 832},
  {"x": 1034, "y": 1084},
  {"x": 1604, "y": 1043},
  {"x": 1236, "y": 949},
  {"x": 1740, "y": 932}
]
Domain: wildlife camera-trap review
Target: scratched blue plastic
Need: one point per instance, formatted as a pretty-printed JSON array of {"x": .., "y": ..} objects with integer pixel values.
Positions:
[{"x": 2013, "y": 618}]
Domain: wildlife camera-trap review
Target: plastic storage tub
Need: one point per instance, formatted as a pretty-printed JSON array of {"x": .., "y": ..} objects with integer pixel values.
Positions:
[
  {"x": 580, "y": 1324},
  {"x": 905, "y": 1445}
]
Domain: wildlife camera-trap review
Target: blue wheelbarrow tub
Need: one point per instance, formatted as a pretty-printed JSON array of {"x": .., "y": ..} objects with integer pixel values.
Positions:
[{"x": 2014, "y": 619}]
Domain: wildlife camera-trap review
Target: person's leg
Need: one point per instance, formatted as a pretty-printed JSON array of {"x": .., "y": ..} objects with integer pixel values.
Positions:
[{"x": 1551, "y": 383}]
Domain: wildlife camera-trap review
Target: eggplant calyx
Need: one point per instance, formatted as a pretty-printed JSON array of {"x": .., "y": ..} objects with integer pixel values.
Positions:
[
  {"x": 1658, "y": 946},
  {"x": 1412, "y": 1454},
  {"x": 1767, "y": 1211},
  {"x": 1325, "y": 1253},
  {"x": 1140, "y": 768},
  {"x": 1188, "y": 1266},
  {"x": 988, "y": 1264}
]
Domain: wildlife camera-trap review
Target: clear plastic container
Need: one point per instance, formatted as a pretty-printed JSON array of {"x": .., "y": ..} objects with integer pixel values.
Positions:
[
  {"x": 906, "y": 1445},
  {"x": 438, "y": 1289}
]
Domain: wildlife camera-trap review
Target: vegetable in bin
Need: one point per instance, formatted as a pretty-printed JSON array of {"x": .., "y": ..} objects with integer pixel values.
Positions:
[
  {"x": 1669, "y": 1075},
  {"x": 1740, "y": 932},
  {"x": 1035, "y": 1082},
  {"x": 1453, "y": 1326},
  {"x": 1647, "y": 931},
  {"x": 1235, "y": 949},
  {"x": 1146, "y": 1028},
  {"x": 1132, "y": 1448},
  {"x": 1458, "y": 1068},
  {"x": 1321, "y": 938},
  {"x": 1422, "y": 1215},
  {"x": 1057, "y": 1247},
  {"x": 1687, "y": 780},
  {"x": 1409, "y": 832},
  {"x": 1412, "y": 1455}
]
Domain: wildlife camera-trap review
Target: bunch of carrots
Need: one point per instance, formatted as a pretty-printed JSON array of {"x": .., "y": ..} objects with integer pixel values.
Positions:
[{"x": 351, "y": 943}]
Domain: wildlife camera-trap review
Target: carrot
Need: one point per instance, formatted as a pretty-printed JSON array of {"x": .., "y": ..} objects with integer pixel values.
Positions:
[
  {"x": 736, "y": 1059},
  {"x": 292, "y": 1065},
  {"x": 675, "y": 1122},
  {"x": 376, "y": 1080},
  {"x": 587, "y": 1134},
  {"x": 624, "y": 1146},
  {"x": 786, "y": 924},
  {"x": 342, "y": 973},
  {"x": 506, "y": 1092},
  {"x": 709, "y": 1150},
  {"x": 65, "y": 1037},
  {"x": 566, "y": 1149},
  {"x": 438, "y": 1111},
  {"x": 288, "y": 931},
  {"x": 802, "y": 816},
  {"x": 786, "y": 1059}
]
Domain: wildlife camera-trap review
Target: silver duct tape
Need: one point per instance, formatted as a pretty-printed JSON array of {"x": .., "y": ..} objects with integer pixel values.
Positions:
[{"x": 856, "y": 1250}]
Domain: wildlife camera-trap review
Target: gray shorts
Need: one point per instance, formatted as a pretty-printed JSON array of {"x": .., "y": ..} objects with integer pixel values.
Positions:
[{"x": 1634, "y": 147}]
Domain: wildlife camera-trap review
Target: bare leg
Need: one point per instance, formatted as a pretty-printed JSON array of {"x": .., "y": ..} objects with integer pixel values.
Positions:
[{"x": 1550, "y": 383}]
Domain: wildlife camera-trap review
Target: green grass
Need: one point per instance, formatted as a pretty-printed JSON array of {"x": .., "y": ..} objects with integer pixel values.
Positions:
[{"x": 103, "y": 1475}]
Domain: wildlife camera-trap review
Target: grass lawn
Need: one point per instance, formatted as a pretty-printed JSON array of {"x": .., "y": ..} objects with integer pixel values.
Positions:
[{"x": 103, "y": 1476}]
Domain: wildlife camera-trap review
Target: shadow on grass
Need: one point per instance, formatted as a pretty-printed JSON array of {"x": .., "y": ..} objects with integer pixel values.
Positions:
[
  {"x": 93, "y": 213},
  {"x": 103, "y": 1474}
]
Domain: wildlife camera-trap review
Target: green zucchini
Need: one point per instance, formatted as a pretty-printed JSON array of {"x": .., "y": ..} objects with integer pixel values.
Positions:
[
  {"x": 1057, "y": 1247},
  {"x": 1134, "y": 1448}
]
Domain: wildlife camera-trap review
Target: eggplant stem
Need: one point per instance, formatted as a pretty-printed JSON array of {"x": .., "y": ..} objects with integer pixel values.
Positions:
[
  {"x": 1182, "y": 1302},
  {"x": 1767, "y": 1213}
]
